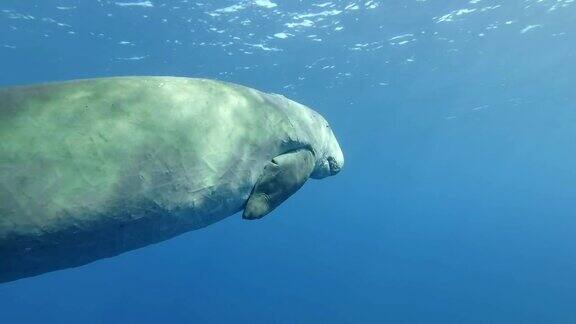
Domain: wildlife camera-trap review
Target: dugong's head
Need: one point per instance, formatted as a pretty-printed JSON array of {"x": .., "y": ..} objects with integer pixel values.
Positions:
[
  {"x": 308, "y": 149},
  {"x": 314, "y": 131}
]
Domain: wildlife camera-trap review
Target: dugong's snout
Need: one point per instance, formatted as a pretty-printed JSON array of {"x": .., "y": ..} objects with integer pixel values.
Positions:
[
  {"x": 331, "y": 161},
  {"x": 327, "y": 167},
  {"x": 336, "y": 158},
  {"x": 335, "y": 167}
]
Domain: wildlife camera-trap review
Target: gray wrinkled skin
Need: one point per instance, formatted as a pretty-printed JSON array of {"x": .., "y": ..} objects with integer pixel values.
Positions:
[{"x": 93, "y": 168}]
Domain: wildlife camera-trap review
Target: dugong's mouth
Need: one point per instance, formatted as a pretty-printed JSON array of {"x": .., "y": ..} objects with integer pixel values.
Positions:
[{"x": 327, "y": 167}]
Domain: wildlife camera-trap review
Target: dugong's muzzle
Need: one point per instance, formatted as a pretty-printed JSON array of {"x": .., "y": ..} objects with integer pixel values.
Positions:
[
  {"x": 332, "y": 161},
  {"x": 335, "y": 167},
  {"x": 327, "y": 167}
]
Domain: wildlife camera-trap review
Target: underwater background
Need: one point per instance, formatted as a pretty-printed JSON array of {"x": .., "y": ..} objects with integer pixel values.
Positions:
[{"x": 458, "y": 124}]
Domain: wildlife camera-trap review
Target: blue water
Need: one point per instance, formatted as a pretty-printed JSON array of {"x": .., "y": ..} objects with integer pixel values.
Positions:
[{"x": 457, "y": 200}]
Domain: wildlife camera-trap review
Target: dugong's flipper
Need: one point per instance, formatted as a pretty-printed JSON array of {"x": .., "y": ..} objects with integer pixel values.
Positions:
[{"x": 281, "y": 178}]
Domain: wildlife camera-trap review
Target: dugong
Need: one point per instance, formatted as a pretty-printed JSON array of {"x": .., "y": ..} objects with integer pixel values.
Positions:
[{"x": 93, "y": 168}]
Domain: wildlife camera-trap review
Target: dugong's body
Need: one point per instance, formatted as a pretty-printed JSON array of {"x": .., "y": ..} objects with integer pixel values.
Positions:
[{"x": 93, "y": 168}]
